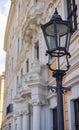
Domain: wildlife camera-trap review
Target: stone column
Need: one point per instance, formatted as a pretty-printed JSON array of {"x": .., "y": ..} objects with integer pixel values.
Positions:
[
  {"x": 36, "y": 116},
  {"x": 25, "y": 121},
  {"x": 14, "y": 123},
  {"x": 19, "y": 122}
]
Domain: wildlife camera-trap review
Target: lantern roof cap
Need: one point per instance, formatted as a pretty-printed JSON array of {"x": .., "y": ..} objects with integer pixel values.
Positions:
[{"x": 56, "y": 16}]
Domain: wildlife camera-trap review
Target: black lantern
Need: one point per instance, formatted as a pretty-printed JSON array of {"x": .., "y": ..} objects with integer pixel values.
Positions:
[{"x": 57, "y": 35}]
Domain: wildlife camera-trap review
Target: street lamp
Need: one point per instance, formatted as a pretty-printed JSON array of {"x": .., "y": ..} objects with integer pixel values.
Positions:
[{"x": 57, "y": 33}]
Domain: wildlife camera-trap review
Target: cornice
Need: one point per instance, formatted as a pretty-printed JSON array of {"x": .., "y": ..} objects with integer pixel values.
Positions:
[
  {"x": 9, "y": 23},
  {"x": 9, "y": 115},
  {"x": 18, "y": 99},
  {"x": 72, "y": 82},
  {"x": 41, "y": 100}
]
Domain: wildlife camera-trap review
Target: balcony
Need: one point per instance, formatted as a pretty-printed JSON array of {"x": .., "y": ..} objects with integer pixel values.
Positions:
[
  {"x": 24, "y": 90},
  {"x": 9, "y": 109}
]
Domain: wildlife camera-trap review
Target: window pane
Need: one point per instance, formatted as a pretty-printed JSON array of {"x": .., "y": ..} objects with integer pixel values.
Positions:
[
  {"x": 27, "y": 65},
  {"x": 76, "y": 107},
  {"x": 55, "y": 119}
]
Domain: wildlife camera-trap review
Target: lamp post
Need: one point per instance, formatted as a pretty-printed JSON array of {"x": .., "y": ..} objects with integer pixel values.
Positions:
[{"x": 57, "y": 33}]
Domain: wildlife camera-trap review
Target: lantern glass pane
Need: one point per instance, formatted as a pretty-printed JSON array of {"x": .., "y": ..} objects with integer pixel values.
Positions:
[
  {"x": 68, "y": 41},
  {"x": 63, "y": 41},
  {"x": 62, "y": 29},
  {"x": 51, "y": 43},
  {"x": 50, "y": 30}
]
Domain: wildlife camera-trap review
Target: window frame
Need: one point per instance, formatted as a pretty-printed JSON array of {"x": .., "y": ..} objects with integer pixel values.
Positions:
[
  {"x": 55, "y": 124},
  {"x": 76, "y": 110},
  {"x": 71, "y": 11},
  {"x": 36, "y": 50}
]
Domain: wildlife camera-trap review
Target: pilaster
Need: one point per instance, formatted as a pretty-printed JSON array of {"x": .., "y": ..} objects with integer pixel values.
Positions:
[
  {"x": 19, "y": 123},
  {"x": 25, "y": 121},
  {"x": 36, "y": 116}
]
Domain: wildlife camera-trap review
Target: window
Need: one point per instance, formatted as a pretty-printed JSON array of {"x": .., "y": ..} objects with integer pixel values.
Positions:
[
  {"x": 76, "y": 108},
  {"x": 27, "y": 65},
  {"x": 18, "y": 9},
  {"x": 55, "y": 119},
  {"x": 11, "y": 95},
  {"x": 36, "y": 50},
  {"x": 9, "y": 126},
  {"x": 21, "y": 74},
  {"x": 18, "y": 47},
  {"x": 17, "y": 84},
  {"x": 72, "y": 13},
  {"x": 12, "y": 63},
  {"x": 22, "y": 42}
]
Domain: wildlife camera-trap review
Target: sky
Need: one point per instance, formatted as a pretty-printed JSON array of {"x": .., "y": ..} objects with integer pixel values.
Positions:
[{"x": 4, "y": 10}]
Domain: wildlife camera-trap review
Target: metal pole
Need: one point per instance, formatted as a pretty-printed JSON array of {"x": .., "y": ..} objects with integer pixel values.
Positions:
[{"x": 59, "y": 75}]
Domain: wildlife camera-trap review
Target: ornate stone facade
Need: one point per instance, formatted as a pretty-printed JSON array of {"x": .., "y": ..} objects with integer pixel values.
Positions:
[{"x": 28, "y": 104}]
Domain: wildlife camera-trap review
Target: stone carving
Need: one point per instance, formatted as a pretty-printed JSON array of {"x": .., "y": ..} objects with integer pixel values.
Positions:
[{"x": 40, "y": 101}]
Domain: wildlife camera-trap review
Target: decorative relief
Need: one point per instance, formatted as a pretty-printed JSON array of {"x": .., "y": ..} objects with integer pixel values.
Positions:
[
  {"x": 18, "y": 99},
  {"x": 33, "y": 19},
  {"x": 31, "y": 78},
  {"x": 24, "y": 91},
  {"x": 21, "y": 112},
  {"x": 40, "y": 101},
  {"x": 25, "y": 112}
]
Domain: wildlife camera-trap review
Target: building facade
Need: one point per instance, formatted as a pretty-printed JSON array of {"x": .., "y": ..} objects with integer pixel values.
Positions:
[
  {"x": 28, "y": 104},
  {"x": 1, "y": 97}
]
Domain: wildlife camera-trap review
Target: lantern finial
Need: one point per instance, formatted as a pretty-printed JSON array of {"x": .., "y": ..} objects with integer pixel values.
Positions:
[
  {"x": 56, "y": 11},
  {"x": 56, "y": 15}
]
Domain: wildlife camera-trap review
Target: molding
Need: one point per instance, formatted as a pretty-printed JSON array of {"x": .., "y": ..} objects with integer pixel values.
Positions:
[
  {"x": 51, "y": 95},
  {"x": 38, "y": 102},
  {"x": 9, "y": 115},
  {"x": 74, "y": 36},
  {"x": 24, "y": 91},
  {"x": 18, "y": 99},
  {"x": 72, "y": 82},
  {"x": 21, "y": 112},
  {"x": 9, "y": 23}
]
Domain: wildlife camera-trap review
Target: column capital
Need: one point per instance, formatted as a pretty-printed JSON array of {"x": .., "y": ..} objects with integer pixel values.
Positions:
[
  {"x": 38, "y": 102},
  {"x": 17, "y": 114},
  {"x": 26, "y": 112}
]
